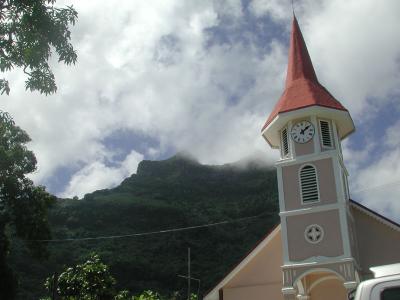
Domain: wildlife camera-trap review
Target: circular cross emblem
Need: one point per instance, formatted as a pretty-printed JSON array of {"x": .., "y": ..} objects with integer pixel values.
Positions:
[{"x": 314, "y": 234}]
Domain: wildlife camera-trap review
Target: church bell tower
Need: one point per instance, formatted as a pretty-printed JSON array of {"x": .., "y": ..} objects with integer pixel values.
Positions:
[{"x": 307, "y": 125}]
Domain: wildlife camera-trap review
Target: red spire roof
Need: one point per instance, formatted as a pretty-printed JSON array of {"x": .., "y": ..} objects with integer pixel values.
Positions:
[{"x": 302, "y": 88}]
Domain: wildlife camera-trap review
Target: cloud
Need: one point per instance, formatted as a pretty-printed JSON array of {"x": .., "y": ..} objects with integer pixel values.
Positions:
[
  {"x": 147, "y": 68},
  {"x": 278, "y": 10},
  {"x": 98, "y": 175},
  {"x": 378, "y": 184},
  {"x": 355, "y": 53},
  {"x": 164, "y": 72}
]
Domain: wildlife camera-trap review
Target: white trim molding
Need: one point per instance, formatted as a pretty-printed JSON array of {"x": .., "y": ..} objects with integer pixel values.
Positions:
[
  {"x": 281, "y": 193},
  {"x": 284, "y": 236},
  {"x": 317, "y": 145},
  {"x": 312, "y": 209},
  {"x": 307, "y": 158},
  {"x": 318, "y": 261},
  {"x": 344, "y": 228}
]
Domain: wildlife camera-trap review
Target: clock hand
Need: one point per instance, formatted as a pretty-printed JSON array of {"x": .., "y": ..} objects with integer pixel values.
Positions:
[{"x": 303, "y": 130}]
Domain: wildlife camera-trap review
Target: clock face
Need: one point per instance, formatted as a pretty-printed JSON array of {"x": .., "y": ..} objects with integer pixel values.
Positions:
[{"x": 302, "y": 132}]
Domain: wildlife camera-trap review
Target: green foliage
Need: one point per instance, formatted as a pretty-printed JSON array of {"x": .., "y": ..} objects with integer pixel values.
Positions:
[
  {"x": 148, "y": 295},
  {"x": 23, "y": 206},
  {"x": 92, "y": 281},
  {"x": 29, "y": 31},
  {"x": 163, "y": 194},
  {"x": 88, "y": 281},
  {"x": 123, "y": 295}
]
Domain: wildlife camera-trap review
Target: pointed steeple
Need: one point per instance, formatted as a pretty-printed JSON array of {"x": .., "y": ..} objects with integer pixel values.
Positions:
[
  {"x": 302, "y": 88},
  {"x": 299, "y": 65}
]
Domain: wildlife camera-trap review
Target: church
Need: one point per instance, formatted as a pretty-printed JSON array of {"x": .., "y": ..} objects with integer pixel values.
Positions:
[{"x": 325, "y": 242}]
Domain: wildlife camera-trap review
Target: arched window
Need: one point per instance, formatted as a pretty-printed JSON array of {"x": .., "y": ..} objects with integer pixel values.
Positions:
[{"x": 309, "y": 184}]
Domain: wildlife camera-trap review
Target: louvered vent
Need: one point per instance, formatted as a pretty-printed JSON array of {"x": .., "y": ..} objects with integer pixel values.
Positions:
[
  {"x": 285, "y": 143},
  {"x": 326, "y": 134},
  {"x": 309, "y": 184}
]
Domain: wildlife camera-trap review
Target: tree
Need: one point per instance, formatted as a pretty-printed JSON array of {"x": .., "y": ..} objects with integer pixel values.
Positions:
[
  {"x": 92, "y": 280},
  {"x": 29, "y": 31},
  {"x": 23, "y": 206},
  {"x": 147, "y": 295},
  {"x": 88, "y": 281}
]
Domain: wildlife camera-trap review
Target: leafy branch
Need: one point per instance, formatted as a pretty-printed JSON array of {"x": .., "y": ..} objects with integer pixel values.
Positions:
[{"x": 30, "y": 32}]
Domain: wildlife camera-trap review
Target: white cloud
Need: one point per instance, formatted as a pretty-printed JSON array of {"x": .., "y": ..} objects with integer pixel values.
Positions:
[
  {"x": 356, "y": 53},
  {"x": 378, "y": 185},
  {"x": 353, "y": 45},
  {"x": 145, "y": 67},
  {"x": 392, "y": 136},
  {"x": 278, "y": 10},
  {"x": 97, "y": 175}
]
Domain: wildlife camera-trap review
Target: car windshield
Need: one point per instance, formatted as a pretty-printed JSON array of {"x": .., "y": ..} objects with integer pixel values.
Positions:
[{"x": 391, "y": 294}]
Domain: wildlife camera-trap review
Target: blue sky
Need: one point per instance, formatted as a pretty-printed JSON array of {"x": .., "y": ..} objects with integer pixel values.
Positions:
[{"x": 157, "y": 77}]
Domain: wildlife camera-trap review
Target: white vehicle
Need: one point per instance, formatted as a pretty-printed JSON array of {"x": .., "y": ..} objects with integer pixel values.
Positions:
[{"x": 384, "y": 286}]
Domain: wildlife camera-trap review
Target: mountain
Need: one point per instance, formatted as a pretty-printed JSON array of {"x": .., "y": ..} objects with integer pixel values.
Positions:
[{"x": 174, "y": 193}]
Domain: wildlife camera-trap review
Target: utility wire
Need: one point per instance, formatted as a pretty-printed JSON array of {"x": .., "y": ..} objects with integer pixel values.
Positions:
[
  {"x": 148, "y": 233},
  {"x": 180, "y": 228}
]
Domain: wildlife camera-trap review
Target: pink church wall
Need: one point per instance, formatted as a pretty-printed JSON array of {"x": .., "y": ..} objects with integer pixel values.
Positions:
[
  {"x": 291, "y": 188},
  {"x": 331, "y": 289},
  {"x": 330, "y": 246},
  {"x": 265, "y": 267},
  {"x": 378, "y": 243},
  {"x": 261, "y": 292},
  {"x": 261, "y": 278}
]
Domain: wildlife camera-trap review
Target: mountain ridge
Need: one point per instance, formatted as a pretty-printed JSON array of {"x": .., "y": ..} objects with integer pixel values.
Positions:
[{"x": 173, "y": 193}]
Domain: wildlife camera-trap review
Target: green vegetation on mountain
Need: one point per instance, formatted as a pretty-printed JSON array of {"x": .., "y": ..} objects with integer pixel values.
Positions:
[{"x": 173, "y": 193}]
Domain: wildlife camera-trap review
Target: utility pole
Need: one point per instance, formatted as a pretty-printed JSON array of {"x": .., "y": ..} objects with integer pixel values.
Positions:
[
  {"x": 190, "y": 278},
  {"x": 198, "y": 284},
  {"x": 188, "y": 273},
  {"x": 54, "y": 286}
]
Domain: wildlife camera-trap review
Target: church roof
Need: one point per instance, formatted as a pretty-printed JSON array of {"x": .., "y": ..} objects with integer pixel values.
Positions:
[
  {"x": 302, "y": 88},
  {"x": 375, "y": 215}
]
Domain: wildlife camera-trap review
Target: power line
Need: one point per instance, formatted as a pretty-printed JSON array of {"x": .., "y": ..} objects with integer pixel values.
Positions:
[
  {"x": 180, "y": 228},
  {"x": 148, "y": 233}
]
